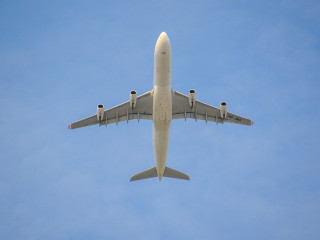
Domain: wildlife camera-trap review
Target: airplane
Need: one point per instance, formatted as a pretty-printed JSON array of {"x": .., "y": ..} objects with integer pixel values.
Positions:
[{"x": 161, "y": 105}]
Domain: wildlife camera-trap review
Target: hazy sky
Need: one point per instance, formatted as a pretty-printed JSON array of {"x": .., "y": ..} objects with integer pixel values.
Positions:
[{"x": 59, "y": 59}]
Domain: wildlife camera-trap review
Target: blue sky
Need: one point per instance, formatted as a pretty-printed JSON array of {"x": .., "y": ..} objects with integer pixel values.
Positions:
[{"x": 60, "y": 59}]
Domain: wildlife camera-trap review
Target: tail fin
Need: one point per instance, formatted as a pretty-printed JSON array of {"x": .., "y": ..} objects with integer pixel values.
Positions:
[{"x": 152, "y": 172}]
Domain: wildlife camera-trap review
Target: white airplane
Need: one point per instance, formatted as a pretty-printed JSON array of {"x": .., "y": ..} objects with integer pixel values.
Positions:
[{"x": 161, "y": 105}]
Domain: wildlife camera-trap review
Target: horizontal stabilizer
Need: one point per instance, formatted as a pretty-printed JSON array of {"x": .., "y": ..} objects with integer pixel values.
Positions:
[
  {"x": 150, "y": 173},
  {"x": 171, "y": 173}
]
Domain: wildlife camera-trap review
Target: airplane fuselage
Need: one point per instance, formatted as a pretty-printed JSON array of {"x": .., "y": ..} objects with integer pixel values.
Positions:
[{"x": 162, "y": 102}]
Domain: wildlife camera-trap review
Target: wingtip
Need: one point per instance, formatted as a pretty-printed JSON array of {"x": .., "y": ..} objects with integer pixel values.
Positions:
[
  {"x": 252, "y": 122},
  {"x": 69, "y": 126}
]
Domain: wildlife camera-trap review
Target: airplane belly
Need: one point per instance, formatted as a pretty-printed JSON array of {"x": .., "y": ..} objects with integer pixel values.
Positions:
[
  {"x": 162, "y": 103},
  {"x": 162, "y": 116},
  {"x": 160, "y": 148}
]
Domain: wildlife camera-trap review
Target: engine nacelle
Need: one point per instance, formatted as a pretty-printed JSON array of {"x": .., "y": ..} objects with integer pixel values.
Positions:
[
  {"x": 192, "y": 97},
  {"x": 133, "y": 99},
  {"x": 100, "y": 112},
  {"x": 223, "y": 110}
]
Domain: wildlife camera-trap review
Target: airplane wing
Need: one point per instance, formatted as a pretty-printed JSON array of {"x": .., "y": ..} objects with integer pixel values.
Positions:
[
  {"x": 201, "y": 111},
  {"x": 122, "y": 112}
]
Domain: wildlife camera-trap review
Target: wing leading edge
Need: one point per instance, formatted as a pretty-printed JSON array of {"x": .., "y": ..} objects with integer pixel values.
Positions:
[
  {"x": 201, "y": 111},
  {"x": 144, "y": 108},
  {"x": 120, "y": 113}
]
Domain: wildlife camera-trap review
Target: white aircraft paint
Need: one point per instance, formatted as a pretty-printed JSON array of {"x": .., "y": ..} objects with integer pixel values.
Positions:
[{"x": 162, "y": 102}]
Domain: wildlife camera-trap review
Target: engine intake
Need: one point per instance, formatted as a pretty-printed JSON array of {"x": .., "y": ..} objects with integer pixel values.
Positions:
[
  {"x": 100, "y": 112},
  {"x": 223, "y": 110},
  {"x": 133, "y": 98},
  {"x": 192, "y": 97}
]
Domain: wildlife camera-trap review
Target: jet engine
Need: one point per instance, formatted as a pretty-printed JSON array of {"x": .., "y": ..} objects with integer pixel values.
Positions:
[
  {"x": 192, "y": 97},
  {"x": 133, "y": 99},
  {"x": 100, "y": 112},
  {"x": 223, "y": 110}
]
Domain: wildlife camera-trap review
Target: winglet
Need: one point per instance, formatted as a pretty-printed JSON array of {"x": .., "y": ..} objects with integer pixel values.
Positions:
[
  {"x": 69, "y": 126},
  {"x": 252, "y": 122}
]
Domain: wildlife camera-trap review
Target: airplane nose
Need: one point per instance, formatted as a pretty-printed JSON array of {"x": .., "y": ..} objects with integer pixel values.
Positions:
[
  {"x": 163, "y": 44},
  {"x": 163, "y": 35}
]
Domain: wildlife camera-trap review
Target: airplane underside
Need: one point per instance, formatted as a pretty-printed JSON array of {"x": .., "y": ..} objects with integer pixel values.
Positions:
[{"x": 161, "y": 105}]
